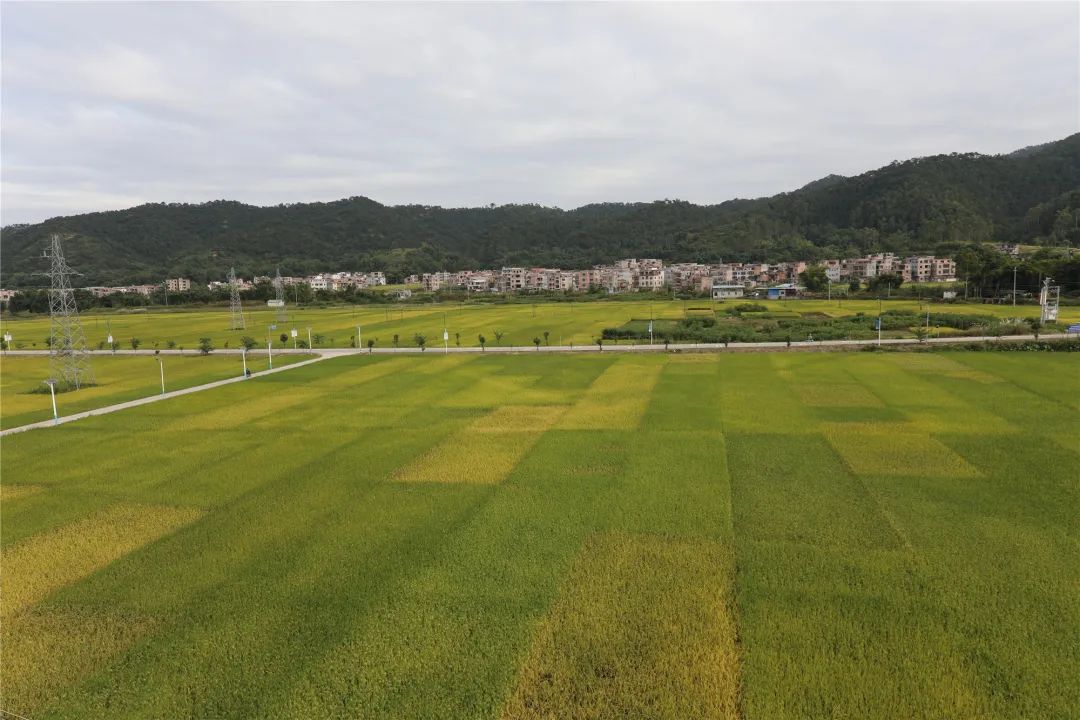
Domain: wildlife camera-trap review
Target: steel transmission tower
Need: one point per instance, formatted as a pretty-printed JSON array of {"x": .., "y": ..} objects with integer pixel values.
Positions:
[
  {"x": 69, "y": 360},
  {"x": 237, "y": 320},
  {"x": 279, "y": 295}
]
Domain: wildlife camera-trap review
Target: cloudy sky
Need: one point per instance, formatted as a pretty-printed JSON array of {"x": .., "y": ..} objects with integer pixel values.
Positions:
[{"x": 106, "y": 106}]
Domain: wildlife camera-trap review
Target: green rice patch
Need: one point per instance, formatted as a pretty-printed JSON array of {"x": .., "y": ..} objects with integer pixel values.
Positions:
[
  {"x": 836, "y": 395},
  {"x": 616, "y": 400},
  {"x": 486, "y": 451},
  {"x": 895, "y": 449},
  {"x": 44, "y": 563},
  {"x": 49, "y": 649},
  {"x": 644, "y": 627}
]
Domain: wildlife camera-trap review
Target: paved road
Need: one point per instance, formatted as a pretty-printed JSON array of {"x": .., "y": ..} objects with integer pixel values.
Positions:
[
  {"x": 324, "y": 354},
  {"x": 591, "y": 348}
]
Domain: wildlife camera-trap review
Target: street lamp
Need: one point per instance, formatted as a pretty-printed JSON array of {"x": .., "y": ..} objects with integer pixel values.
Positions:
[{"x": 52, "y": 392}]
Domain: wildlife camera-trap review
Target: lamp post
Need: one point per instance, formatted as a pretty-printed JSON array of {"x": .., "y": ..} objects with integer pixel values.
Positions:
[
  {"x": 270, "y": 353},
  {"x": 52, "y": 392},
  {"x": 309, "y": 338},
  {"x": 161, "y": 366}
]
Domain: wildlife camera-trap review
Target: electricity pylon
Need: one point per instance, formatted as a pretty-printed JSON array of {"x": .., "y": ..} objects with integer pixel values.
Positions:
[
  {"x": 69, "y": 359},
  {"x": 279, "y": 295},
  {"x": 237, "y": 319}
]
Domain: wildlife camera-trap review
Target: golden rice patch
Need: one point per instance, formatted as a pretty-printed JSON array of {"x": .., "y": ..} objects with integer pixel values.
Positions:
[
  {"x": 616, "y": 399},
  {"x": 644, "y": 627},
  {"x": 895, "y": 449},
  {"x": 46, "y": 562},
  {"x": 15, "y": 492},
  {"x": 46, "y": 651},
  {"x": 487, "y": 450}
]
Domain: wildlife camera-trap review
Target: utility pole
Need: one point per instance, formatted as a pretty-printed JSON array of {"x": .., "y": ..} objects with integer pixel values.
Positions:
[
  {"x": 52, "y": 393},
  {"x": 161, "y": 365},
  {"x": 1014, "y": 285}
]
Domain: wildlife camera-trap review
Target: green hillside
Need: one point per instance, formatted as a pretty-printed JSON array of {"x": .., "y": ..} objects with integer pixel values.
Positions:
[{"x": 926, "y": 204}]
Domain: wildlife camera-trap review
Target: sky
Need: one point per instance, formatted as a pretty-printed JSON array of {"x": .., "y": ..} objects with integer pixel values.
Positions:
[{"x": 107, "y": 106}]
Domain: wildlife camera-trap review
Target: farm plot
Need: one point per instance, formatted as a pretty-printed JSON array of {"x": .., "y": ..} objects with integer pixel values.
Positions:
[{"x": 537, "y": 536}]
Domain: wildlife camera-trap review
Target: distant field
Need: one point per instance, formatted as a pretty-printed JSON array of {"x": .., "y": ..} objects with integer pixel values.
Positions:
[
  {"x": 579, "y": 323},
  {"x": 119, "y": 379},
  {"x": 536, "y": 536}
]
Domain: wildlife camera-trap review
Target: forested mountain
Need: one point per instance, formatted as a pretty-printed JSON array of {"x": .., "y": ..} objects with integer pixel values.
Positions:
[{"x": 927, "y": 204}]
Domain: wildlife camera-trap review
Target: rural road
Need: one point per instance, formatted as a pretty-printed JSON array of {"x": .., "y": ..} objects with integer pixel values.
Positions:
[{"x": 325, "y": 354}]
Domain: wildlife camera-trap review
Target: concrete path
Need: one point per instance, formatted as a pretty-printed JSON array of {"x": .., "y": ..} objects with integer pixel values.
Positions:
[{"x": 324, "y": 354}]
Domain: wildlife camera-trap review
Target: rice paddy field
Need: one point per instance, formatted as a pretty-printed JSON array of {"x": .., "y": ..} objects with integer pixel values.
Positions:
[
  {"x": 579, "y": 323},
  {"x": 752, "y": 536},
  {"x": 24, "y": 398}
]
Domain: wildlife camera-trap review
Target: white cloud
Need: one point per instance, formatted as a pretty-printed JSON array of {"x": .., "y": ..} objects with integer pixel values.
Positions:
[{"x": 106, "y": 105}]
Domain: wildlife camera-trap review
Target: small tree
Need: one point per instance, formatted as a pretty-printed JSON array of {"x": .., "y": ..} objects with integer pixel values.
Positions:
[
  {"x": 115, "y": 346},
  {"x": 498, "y": 337},
  {"x": 921, "y": 333},
  {"x": 854, "y": 285},
  {"x": 396, "y": 341},
  {"x": 171, "y": 344},
  {"x": 205, "y": 346},
  {"x": 457, "y": 339},
  {"x": 483, "y": 342},
  {"x": 600, "y": 343},
  {"x": 370, "y": 345},
  {"x": 248, "y": 342},
  {"x": 284, "y": 339},
  {"x": 317, "y": 339},
  {"x": 546, "y": 336},
  {"x": 536, "y": 342},
  {"x": 421, "y": 341},
  {"x": 135, "y": 343},
  {"x": 1036, "y": 325}
]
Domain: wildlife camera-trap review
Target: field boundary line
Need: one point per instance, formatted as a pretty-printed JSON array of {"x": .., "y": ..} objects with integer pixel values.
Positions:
[{"x": 157, "y": 398}]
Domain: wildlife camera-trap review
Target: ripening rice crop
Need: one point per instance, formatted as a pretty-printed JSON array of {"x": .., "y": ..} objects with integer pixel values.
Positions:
[
  {"x": 47, "y": 562},
  {"x": 486, "y": 450},
  {"x": 617, "y": 399},
  {"x": 46, "y": 649},
  {"x": 895, "y": 449},
  {"x": 9, "y": 493},
  {"x": 643, "y": 627}
]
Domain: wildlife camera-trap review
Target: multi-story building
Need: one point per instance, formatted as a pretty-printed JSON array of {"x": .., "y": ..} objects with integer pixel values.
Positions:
[
  {"x": 511, "y": 279},
  {"x": 178, "y": 284}
]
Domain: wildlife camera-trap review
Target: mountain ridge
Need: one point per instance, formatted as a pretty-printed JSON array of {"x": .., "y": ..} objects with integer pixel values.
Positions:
[{"x": 923, "y": 204}]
